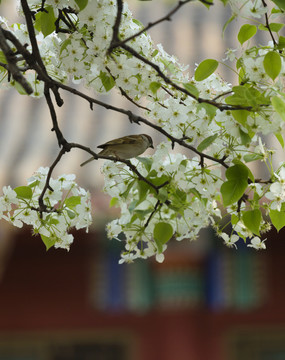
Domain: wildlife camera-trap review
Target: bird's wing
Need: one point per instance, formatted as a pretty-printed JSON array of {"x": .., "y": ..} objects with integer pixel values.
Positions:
[{"x": 119, "y": 141}]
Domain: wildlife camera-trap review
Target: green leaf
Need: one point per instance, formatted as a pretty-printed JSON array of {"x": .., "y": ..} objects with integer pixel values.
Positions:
[
  {"x": 275, "y": 27},
  {"x": 279, "y": 137},
  {"x": 245, "y": 138},
  {"x": 162, "y": 233},
  {"x": 81, "y": 3},
  {"x": 24, "y": 192},
  {"x": 154, "y": 86},
  {"x": 48, "y": 241},
  {"x": 107, "y": 81},
  {"x": 141, "y": 214},
  {"x": 72, "y": 201},
  {"x": 146, "y": 161},
  {"x": 252, "y": 157},
  {"x": 162, "y": 195},
  {"x": 207, "y": 142},
  {"x": 280, "y": 4},
  {"x": 247, "y": 96},
  {"x": 279, "y": 106},
  {"x": 128, "y": 189},
  {"x": 272, "y": 64},
  {"x": 249, "y": 173},
  {"x": 143, "y": 189},
  {"x": 113, "y": 202},
  {"x": 71, "y": 214},
  {"x": 281, "y": 42},
  {"x": 45, "y": 21},
  {"x": 154, "y": 53},
  {"x": 252, "y": 220},
  {"x": 277, "y": 218},
  {"x": 137, "y": 22},
  {"x": 210, "y": 109},
  {"x": 246, "y": 32},
  {"x": 18, "y": 87},
  {"x": 238, "y": 171},
  {"x": 132, "y": 206},
  {"x": 205, "y": 69},
  {"x": 34, "y": 183},
  {"x": 64, "y": 45},
  {"x": 191, "y": 89},
  {"x": 240, "y": 116},
  {"x": 3, "y": 58},
  {"x": 233, "y": 189}
]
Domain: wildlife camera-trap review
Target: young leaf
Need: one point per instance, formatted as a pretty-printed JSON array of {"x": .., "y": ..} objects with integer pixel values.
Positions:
[
  {"x": 24, "y": 192},
  {"x": 81, "y": 3},
  {"x": 272, "y": 64},
  {"x": 252, "y": 220},
  {"x": 162, "y": 233},
  {"x": 191, "y": 89},
  {"x": 277, "y": 218},
  {"x": 205, "y": 69},
  {"x": 240, "y": 116},
  {"x": 247, "y": 96},
  {"x": 45, "y": 21},
  {"x": 279, "y": 106},
  {"x": 245, "y": 138},
  {"x": 207, "y": 142},
  {"x": 246, "y": 32},
  {"x": 279, "y": 137},
  {"x": 154, "y": 86},
  {"x": 281, "y": 42},
  {"x": 249, "y": 173},
  {"x": 232, "y": 190},
  {"x": 238, "y": 171},
  {"x": 252, "y": 157},
  {"x": 146, "y": 161},
  {"x": 107, "y": 81},
  {"x": 275, "y": 27},
  {"x": 72, "y": 201},
  {"x": 280, "y": 4},
  {"x": 48, "y": 241},
  {"x": 210, "y": 109},
  {"x": 162, "y": 195},
  {"x": 113, "y": 202}
]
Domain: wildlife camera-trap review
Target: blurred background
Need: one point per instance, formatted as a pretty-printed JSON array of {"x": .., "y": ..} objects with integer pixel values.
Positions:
[{"x": 204, "y": 302}]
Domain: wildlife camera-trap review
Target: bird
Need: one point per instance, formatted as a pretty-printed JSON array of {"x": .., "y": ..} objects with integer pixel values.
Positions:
[{"x": 125, "y": 147}]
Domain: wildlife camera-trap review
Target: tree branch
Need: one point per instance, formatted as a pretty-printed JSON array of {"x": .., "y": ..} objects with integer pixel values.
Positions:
[
  {"x": 167, "y": 17},
  {"x": 11, "y": 65}
]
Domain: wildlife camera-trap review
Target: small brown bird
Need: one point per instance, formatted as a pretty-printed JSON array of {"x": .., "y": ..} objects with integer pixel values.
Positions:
[{"x": 125, "y": 147}]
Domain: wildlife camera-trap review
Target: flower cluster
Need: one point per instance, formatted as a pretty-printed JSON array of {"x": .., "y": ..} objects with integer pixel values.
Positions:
[
  {"x": 180, "y": 208},
  {"x": 224, "y": 125},
  {"x": 66, "y": 206}
]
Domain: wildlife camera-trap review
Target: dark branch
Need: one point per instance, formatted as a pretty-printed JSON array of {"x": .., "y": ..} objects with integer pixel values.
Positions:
[
  {"x": 61, "y": 140},
  {"x": 30, "y": 26},
  {"x": 11, "y": 65}
]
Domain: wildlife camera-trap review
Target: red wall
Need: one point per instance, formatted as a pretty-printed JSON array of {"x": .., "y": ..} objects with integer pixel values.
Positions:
[{"x": 49, "y": 291}]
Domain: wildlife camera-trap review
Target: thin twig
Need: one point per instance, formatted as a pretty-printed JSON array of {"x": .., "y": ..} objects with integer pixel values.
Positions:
[
  {"x": 158, "y": 204},
  {"x": 167, "y": 17},
  {"x": 268, "y": 25}
]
